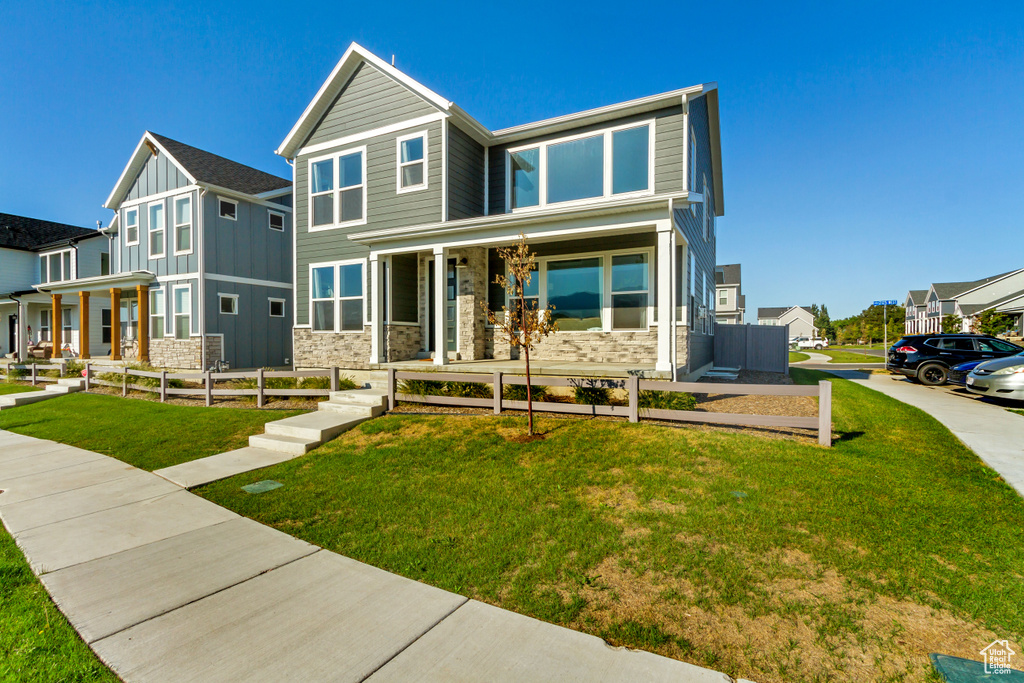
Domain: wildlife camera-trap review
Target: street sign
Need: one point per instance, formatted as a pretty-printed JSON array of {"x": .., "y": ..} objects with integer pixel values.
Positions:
[{"x": 887, "y": 302}]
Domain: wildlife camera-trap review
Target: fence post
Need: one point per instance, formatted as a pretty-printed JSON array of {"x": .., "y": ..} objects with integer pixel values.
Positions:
[
  {"x": 633, "y": 388},
  {"x": 33, "y": 374},
  {"x": 497, "y": 393},
  {"x": 259, "y": 388},
  {"x": 63, "y": 367},
  {"x": 124, "y": 382},
  {"x": 88, "y": 375},
  {"x": 209, "y": 388},
  {"x": 163, "y": 386},
  {"x": 334, "y": 378},
  {"x": 391, "y": 389},
  {"x": 825, "y": 413}
]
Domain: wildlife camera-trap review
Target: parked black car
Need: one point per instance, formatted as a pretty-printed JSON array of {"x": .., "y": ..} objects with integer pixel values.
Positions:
[{"x": 928, "y": 357}]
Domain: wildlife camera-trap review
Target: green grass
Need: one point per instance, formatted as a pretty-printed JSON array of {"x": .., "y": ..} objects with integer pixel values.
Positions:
[
  {"x": 850, "y": 357},
  {"x": 876, "y": 345},
  {"x": 36, "y": 642},
  {"x": 10, "y": 388},
  {"x": 145, "y": 434},
  {"x": 796, "y": 357},
  {"x": 670, "y": 539}
]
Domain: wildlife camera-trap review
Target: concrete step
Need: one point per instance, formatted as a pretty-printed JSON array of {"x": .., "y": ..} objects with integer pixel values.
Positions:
[
  {"x": 282, "y": 444},
  {"x": 361, "y": 397},
  {"x": 351, "y": 409},
  {"x": 64, "y": 388},
  {"x": 25, "y": 398},
  {"x": 71, "y": 382},
  {"x": 319, "y": 426}
]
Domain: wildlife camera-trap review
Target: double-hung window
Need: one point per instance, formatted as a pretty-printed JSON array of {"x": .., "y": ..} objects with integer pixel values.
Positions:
[
  {"x": 45, "y": 318},
  {"x": 630, "y": 284},
  {"x": 55, "y": 267},
  {"x": 336, "y": 297},
  {"x": 157, "y": 228},
  {"x": 183, "y": 225},
  {"x": 182, "y": 311},
  {"x": 610, "y": 163},
  {"x": 65, "y": 315},
  {"x": 723, "y": 297},
  {"x": 156, "y": 313},
  {"x": 337, "y": 190},
  {"x": 131, "y": 226},
  {"x": 412, "y": 162}
]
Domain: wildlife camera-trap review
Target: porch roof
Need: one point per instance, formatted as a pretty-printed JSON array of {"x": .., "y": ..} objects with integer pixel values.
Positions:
[{"x": 99, "y": 282}]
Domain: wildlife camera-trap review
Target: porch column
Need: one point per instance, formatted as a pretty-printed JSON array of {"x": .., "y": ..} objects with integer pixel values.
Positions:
[
  {"x": 377, "y": 285},
  {"x": 115, "y": 323},
  {"x": 666, "y": 317},
  {"x": 143, "y": 326},
  {"x": 56, "y": 326},
  {"x": 83, "y": 325},
  {"x": 440, "y": 308}
]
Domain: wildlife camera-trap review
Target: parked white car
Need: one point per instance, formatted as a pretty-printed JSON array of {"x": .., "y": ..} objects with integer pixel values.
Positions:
[{"x": 808, "y": 343}]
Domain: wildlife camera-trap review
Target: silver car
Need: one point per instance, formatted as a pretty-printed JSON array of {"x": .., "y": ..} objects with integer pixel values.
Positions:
[{"x": 1001, "y": 378}]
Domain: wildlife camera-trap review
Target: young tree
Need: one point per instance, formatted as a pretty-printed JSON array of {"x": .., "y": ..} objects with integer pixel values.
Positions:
[
  {"x": 524, "y": 325},
  {"x": 992, "y": 322},
  {"x": 822, "y": 323},
  {"x": 951, "y": 323}
]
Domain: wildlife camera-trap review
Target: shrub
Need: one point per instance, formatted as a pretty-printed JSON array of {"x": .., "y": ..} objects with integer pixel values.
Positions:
[
  {"x": 468, "y": 390},
  {"x": 517, "y": 392},
  {"x": 667, "y": 400},
  {"x": 346, "y": 383},
  {"x": 592, "y": 395},
  {"x": 16, "y": 374},
  {"x": 73, "y": 368},
  {"x": 421, "y": 387},
  {"x": 315, "y": 383}
]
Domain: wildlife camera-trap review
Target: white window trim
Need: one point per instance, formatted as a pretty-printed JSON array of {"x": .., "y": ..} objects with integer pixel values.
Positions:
[
  {"x": 606, "y": 195},
  {"x": 234, "y": 303},
  {"x": 157, "y": 295},
  {"x": 399, "y": 165},
  {"x": 227, "y": 200},
  {"x": 606, "y": 286},
  {"x": 336, "y": 191},
  {"x": 46, "y": 324},
  {"x": 175, "y": 313},
  {"x": 284, "y": 307},
  {"x": 64, "y": 277},
  {"x": 150, "y": 229},
  {"x": 336, "y": 265},
  {"x": 134, "y": 242},
  {"x": 271, "y": 212},
  {"x": 191, "y": 221}
]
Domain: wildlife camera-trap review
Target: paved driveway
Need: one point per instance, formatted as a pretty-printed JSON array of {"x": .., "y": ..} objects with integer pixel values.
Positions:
[{"x": 986, "y": 427}]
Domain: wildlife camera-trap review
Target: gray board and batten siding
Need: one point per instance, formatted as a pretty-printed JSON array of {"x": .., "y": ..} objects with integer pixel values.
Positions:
[
  {"x": 246, "y": 247},
  {"x": 252, "y": 338},
  {"x": 669, "y": 140},
  {"x": 159, "y": 174}
]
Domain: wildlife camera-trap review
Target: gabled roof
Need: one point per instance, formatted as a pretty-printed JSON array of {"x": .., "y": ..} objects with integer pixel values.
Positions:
[
  {"x": 951, "y": 290},
  {"x": 772, "y": 312},
  {"x": 31, "y": 234},
  {"x": 727, "y": 275},
  {"x": 199, "y": 166},
  {"x": 356, "y": 55},
  {"x": 917, "y": 296}
]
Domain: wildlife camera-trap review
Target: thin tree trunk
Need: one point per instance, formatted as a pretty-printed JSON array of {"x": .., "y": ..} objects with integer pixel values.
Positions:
[{"x": 529, "y": 394}]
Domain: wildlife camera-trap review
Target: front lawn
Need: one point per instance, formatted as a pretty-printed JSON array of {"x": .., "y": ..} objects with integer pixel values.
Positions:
[
  {"x": 142, "y": 433},
  {"x": 850, "y": 357},
  {"x": 15, "y": 388},
  {"x": 765, "y": 558},
  {"x": 797, "y": 357}
]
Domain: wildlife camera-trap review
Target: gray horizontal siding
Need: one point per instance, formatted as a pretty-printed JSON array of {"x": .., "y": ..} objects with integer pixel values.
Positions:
[
  {"x": 158, "y": 175},
  {"x": 369, "y": 100},
  {"x": 668, "y": 152},
  {"x": 465, "y": 175}
]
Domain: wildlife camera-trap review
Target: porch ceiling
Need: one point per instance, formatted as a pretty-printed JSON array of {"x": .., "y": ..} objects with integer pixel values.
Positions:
[{"x": 100, "y": 283}]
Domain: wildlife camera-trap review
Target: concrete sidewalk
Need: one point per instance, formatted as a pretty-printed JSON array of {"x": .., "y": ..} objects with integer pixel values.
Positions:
[
  {"x": 166, "y": 586},
  {"x": 994, "y": 433}
]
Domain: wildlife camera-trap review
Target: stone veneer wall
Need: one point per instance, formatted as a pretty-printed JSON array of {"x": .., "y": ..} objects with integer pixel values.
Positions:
[
  {"x": 327, "y": 349},
  {"x": 682, "y": 349},
  {"x": 403, "y": 342},
  {"x": 591, "y": 347},
  {"x": 181, "y": 353},
  {"x": 472, "y": 291}
]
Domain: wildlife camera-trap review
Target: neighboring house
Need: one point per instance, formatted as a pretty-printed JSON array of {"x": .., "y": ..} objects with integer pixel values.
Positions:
[
  {"x": 967, "y": 299},
  {"x": 201, "y": 253},
  {"x": 799, "y": 318},
  {"x": 730, "y": 304},
  {"x": 402, "y": 199},
  {"x": 916, "y": 307},
  {"x": 32, "y": 252}
]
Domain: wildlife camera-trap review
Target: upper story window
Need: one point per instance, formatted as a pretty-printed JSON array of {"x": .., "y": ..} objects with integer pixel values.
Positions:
[
  {"x": 276, "y": 221},
  {"x": 617, "y": 161},
  {"x": 723, "y": 297},
  {"x": 157, "y": 245},
  {"x": 183, "y": 225},
  {"x": 55, "y": 267},
  {"x": 412, "y": 162},
  {"x": 104, "y": 263},
  {"x": 228, "y": 208},
  {"x": 131, "y": 226},
  {"x": 337, "y": 190}
]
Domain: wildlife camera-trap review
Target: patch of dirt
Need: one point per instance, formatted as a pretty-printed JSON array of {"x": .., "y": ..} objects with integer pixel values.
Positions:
[
  {"x": 525, "y": 438},
  {"x": 410, "y": 430},
  {"x": 621, "y": 498}
]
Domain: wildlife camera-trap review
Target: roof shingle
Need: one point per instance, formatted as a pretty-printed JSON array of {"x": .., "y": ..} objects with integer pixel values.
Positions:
[
  {"x": 210, "y": 168},
  {"x": 27, "y": 234}
]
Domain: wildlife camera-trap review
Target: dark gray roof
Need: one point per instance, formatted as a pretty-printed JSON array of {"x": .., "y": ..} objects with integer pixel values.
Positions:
[
  {"x": 918, "y": 296},
  {"x": 950, "y": 290},
  {"x": 28, "y": 234},
  {"x": 727, "y": 275},
  {"x": 209, "y": 168},
  {"x": 772, "y": 312}
]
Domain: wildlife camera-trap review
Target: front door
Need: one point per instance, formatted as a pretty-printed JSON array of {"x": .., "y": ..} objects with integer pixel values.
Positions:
[
  {"x": 450, "y": 303},
  {"x": 12, "y": 334}
]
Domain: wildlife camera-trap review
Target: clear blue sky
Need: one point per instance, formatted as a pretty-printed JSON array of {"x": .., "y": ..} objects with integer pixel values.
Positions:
[{"x": 868, "y": 148}]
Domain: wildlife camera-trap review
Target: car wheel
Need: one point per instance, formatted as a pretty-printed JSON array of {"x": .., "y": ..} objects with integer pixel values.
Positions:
[
  {"x": 817, "y": 346},
  {"x": 932, "y": 375}
]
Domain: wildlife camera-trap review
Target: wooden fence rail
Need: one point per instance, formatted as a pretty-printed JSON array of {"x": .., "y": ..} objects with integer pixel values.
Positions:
[{"x": 633, "y": 386}]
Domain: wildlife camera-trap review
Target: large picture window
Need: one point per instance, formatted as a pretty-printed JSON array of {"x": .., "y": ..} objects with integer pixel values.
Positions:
[
  {"x": 613, "y": 162},
  {"x": 336, "y": 297},
  {"x": 157, "y": 228},
  {"x": 337, "y": 190},
  {"x": 574, "y": 288}
]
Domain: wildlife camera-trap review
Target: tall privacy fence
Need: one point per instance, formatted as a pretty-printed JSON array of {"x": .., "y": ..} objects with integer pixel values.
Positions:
[
  {"x": 634, "y": 388},
  {"x": 752, "y": 347},
  {"x": 259, "y": 383}
]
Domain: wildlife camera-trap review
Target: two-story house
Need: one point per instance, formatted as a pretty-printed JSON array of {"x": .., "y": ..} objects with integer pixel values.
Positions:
[
  {"x": 402, "y": 198},
  {"x": 916, "y": 311},
  {"x": 946, "y": 298},
  {"x": 799, "y": 318},
  {"x": 201, "y": 262},
  {"x": 732, "y": 304},
  {"x": 34, "y": 252}
]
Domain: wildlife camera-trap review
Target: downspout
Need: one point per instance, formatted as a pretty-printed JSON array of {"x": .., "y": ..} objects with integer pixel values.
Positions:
[
  {"x": 295, "y": 263},
  {"x": 201, "y": 238}
]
